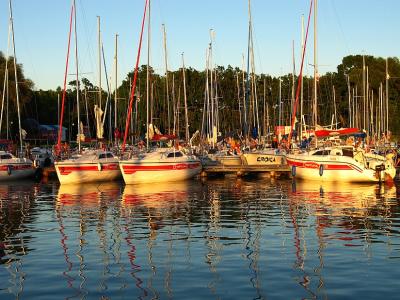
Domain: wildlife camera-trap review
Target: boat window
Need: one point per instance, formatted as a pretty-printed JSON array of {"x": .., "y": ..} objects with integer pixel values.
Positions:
[
  {"x": 103, "y": 155},
  {"x": 175, "y": 154},
  {"x": 5, "y": 156},
  {"x": 321, "y": 152},
  {"x": 347, "y": 152},
  {"x": 109, "y": 155},
  {"x": 336, "y": 152}
]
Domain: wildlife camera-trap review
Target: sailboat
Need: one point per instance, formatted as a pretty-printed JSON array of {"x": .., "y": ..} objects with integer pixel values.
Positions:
[
  {"x": 156, "y": 165},
  {"x": 11, "y": 167},
  {"x": 336, "y": 163},
  {"x": 91, "y": 165}
]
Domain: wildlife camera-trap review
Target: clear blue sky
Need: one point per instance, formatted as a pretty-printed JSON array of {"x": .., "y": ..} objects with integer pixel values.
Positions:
[{"x": 344, "y": 27}]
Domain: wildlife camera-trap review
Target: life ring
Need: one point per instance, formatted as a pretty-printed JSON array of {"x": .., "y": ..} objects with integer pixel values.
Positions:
[
  {"x": 99, "y": 167},
  {"x": 321, "y": 169},
  {"x": 9, "y": 170},
  {"x": 293, "y": 171}
]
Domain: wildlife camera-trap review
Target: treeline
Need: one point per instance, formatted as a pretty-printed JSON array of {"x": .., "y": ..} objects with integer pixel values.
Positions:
[{"x": 333, "y": 91}]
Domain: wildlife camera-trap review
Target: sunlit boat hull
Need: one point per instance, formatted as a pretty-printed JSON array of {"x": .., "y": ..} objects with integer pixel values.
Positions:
[
  {"x": 136, "y": 171},
  {"x": 69, "y": 172},
  {"x": 16, "y": 170},
  {"x": 336, "y": 169},
  {"x": 263, "y": 159}
]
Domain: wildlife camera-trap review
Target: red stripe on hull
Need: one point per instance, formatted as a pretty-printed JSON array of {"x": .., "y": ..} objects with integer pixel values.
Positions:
[
  {"x": 315, "y": 165},
  {"x": 15, "y": 167},
  {"x": 131, "y": 169},
  {"x": 66, "y": 170}
]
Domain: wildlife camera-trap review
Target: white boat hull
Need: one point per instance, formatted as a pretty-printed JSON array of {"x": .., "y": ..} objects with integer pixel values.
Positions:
[
  {"x": 87, "y": 172},
  {"x": 14, "y": 171},
  {"x": 135, "y": 172},
  {"x": 333, "y": 169}
]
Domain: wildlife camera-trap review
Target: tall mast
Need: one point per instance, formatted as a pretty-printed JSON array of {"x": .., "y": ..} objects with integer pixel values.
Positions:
[
  {"x": 248, "y": 69},
  {"x": 244, "y": 128},
  {"x": 166, "y": 77},
  {"x": 185, "y": 99},
  {"x": 387, "y": 96},
  {"x": 302, "y": 84},
  {"x": 364, "y": 97},
  {"x": 99, "y": 46},
  {"x": 293, "y": 76},
  {"x": 315, "y": 65},
  {"x": 116, "y": 86},
  {"x": 349, "y": 94},
  {"x": 77, "y": 82},
  {"x": 148, "y": 77},
  {"x": 5, "y": 83},
  {"x": 16, "y": 78},
  {"x": 212, "y": 86}
]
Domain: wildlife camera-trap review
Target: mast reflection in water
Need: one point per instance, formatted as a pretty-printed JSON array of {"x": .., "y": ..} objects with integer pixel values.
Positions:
[{"x": 222, "y": 238}]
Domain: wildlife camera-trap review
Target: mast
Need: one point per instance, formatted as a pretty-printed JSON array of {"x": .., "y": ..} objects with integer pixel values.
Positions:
[
  {"x": 238, "y": 95},
  {"x": 185, "y": 99},
  {"x": 148, "y": 77},
  {"x": 364, "y": 97},
  {"x": 116, "y": 87},
  {"x": 58, "y": 149},
  {"x": 248, "y": 70},
  {"x": 349, "y": 94},
  {"x": 99, "y": 58},
  {"x": 132, "y": 93},
  {"x": 293, "y": 76},
  {"x": 16, "y": 78},
  {"x": 302, "y": 84},
  {"x": 77, "y": 83},
  {"x": 334, "y": 107},
  {"x": 315, "y": 65},
  {"x": 387, "y": 96},
  {"x": 166, "y": 77},
  {"x": 212, "y": 87},
  {"x": 5, "y": 84}
]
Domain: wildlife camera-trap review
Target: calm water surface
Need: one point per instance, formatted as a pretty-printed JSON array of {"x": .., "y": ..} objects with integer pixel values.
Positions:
[{"x": 215, "y": 239}]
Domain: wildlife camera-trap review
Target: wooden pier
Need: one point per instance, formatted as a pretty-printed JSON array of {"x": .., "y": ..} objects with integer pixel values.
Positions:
[{"x": 242, "y": 170}]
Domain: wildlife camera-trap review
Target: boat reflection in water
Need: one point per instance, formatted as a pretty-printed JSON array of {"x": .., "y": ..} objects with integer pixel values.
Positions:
[
  {"x": 17, "y": 201},
  {"x": 353, "y": 216},
  {"x": 89, "y": 235},
  {"x": 218, "y": 238}
]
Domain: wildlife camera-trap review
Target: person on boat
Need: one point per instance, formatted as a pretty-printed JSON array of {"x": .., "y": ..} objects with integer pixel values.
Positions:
[
  {"x": 304, "y": 143},
  {"x": 117, "y": 134},
  {"x": 274, "y": 143}
]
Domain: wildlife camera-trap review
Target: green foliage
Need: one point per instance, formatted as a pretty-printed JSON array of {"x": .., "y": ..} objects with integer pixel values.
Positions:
[{"x": 43, "y": 104}]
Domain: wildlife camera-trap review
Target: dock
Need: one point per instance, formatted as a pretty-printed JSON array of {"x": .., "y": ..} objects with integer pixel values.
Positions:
[{"x": 242, "y": 170}]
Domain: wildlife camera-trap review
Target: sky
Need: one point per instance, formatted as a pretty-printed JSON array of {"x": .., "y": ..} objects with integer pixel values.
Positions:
[{"x": 344, "y": 27}]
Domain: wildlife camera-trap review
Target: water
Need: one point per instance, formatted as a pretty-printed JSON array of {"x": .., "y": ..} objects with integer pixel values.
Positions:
[{"x": 216, "y": 239}]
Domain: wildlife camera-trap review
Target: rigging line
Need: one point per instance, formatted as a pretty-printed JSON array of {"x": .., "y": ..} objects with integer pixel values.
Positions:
[
  {"x": 108, "y": 86},
  {"x": 89, "y": 41},
  {"x": 300, "y": 76},
  {"x": 58, "y": 149},
  {"x": 128, "y": 119},
  {"x": 340, "y": 26}
]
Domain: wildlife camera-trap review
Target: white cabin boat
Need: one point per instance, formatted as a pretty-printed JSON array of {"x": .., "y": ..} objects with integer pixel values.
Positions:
[
  {"x": 12, "y": 168},
  {"x": 160, "y": 166},
  {"x": 341, "y": 164},
  {"x": 91, "y": 166}
]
